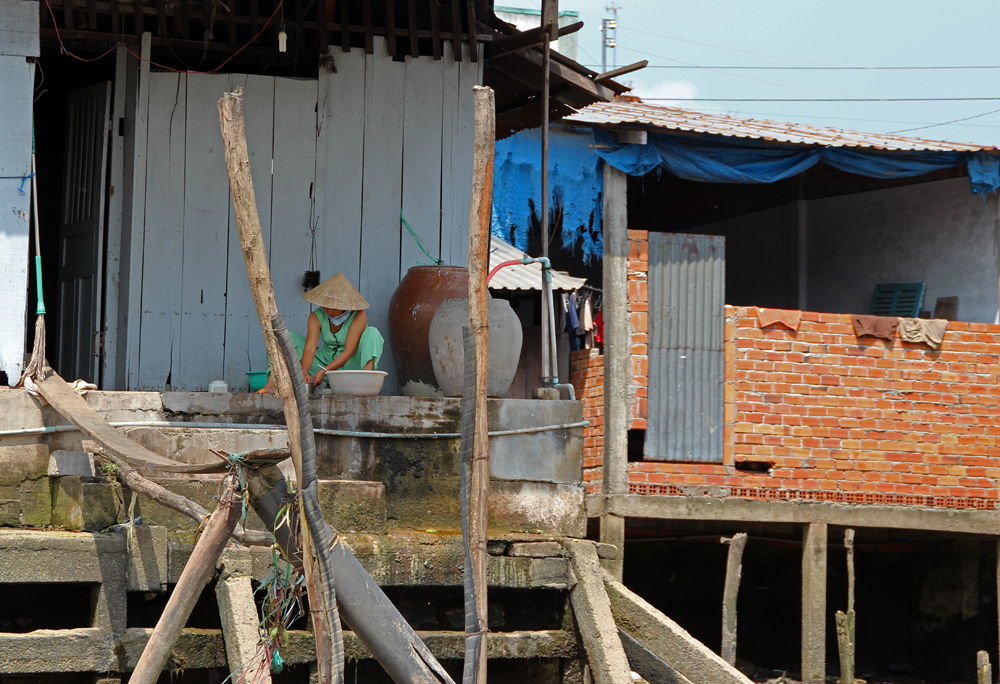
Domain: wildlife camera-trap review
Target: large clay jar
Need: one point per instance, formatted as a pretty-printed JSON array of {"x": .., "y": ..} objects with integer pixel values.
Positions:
[
  {"x": 447, "y": 347},
  {"x": 411, "y": 310}
]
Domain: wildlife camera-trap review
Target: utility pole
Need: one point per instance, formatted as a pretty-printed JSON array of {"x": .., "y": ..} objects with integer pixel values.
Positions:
[{"x": 609, "y": 38}]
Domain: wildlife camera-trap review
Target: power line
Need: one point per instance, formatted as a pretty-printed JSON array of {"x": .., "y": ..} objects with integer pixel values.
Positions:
[
  {"x": 821, "y": 99},
  {"x": 750, "y": 78},
  {"x": 813, "y": 68},
  {"x": 967, "y": 118},
  {"x": 723, "y": 47}
]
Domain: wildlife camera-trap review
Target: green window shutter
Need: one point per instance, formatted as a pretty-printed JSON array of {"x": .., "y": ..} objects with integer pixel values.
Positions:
[{"x": 898, "y": 299}]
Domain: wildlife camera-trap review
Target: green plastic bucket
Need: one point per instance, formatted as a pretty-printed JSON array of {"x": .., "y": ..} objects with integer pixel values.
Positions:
[{"x": 257, "y": 379}]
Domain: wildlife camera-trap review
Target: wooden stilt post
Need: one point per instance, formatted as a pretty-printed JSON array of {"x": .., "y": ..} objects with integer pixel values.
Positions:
[
  {"x": 734, "y": 570},
  {"x": 984, "y": 673},
  {"x": 197, "y": 573},
  {"x": 479, "y": 264},
  {"x": 845, "y": 621}
]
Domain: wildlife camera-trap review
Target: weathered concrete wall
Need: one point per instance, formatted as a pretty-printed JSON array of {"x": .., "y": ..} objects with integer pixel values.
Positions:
[
  {"x": 935, "y": 233},
  {"x": 537, "y": 475}
]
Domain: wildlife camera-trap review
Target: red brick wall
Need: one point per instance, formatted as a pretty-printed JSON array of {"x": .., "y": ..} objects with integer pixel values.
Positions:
[{"x": 840, "y": 419}]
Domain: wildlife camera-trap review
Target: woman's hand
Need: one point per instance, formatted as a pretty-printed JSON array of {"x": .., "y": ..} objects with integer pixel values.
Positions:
[{"x": 318, "y": 376}]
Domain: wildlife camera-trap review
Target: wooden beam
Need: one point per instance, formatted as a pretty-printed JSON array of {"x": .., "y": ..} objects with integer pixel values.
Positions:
[
  {"x": 345, "y": 26},
  {"x": 456, "y": 29},
  {"x": 390, "y": 27},
  {"x": 526, "y": 39},
  {"x": 435, "y": 29},
  {"x": 621, "y": 71},
  {"x": 411, "y": 15},
  {"x": 369, "y": 36}
]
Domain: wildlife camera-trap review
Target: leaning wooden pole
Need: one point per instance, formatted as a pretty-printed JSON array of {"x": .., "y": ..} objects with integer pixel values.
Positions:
[
  {"x": 479, "y": 264},
  {"x": 252, "y": 241},
  {"x": 197, "y": 573},
  {"x": 734, "y": 571}
]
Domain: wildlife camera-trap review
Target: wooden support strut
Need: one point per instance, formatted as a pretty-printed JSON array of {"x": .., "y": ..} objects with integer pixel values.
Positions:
[
  {"x": 734, "y": 570},
  {"x": 479, "y": 264},
  {"x": 197, "y": 573}
]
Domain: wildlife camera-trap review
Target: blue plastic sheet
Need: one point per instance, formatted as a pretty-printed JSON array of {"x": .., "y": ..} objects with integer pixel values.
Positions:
[
  {"x": 575, "y": 184},
  {"x": 735, "y": 160}
]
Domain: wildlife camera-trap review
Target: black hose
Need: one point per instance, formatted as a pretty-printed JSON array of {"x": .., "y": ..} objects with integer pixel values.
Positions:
[
  {"x": 323, "y": 536},
  {"x": 473, "y": 630}
]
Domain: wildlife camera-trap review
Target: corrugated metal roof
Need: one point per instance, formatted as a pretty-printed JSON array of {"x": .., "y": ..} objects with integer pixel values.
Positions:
[
  {"x": 673, "y": 118},
  {"x": 524, "y": 276}
]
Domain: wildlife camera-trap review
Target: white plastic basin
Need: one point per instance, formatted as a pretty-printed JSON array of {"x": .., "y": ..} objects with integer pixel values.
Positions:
[{"x": 358, "y": 383}]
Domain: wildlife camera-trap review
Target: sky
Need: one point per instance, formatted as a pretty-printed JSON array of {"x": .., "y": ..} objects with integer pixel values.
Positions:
[{"x": 800, "y": 36}]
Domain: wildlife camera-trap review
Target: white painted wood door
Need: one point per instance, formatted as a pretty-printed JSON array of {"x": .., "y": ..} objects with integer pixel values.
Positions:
[{"x": 81, "y": 244}]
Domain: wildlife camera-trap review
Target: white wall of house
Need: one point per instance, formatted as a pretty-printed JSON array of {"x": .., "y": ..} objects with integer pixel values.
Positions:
[
  {"x": 18, "y": 39},
  {"x": 335, "y": 161},
  {"x": 937, "y": 233}
]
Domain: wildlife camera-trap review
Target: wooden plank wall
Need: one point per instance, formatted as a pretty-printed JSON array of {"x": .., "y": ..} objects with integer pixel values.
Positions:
[{"x": 343, "y": 158}]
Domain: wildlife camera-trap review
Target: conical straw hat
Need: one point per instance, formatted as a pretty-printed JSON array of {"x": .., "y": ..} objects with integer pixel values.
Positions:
[{"x": 336, "y": 293}]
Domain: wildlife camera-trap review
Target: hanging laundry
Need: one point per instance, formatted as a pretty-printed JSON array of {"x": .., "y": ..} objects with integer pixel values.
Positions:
[
  {"x": 928, "y": 331},
  {"x": 586, "y": 329},
  {"x": 572, "y": 322},
  {"x": 883, "y": 327},
  {"x": 599, "y": 328},
  {"x": 789, "y": 319}
]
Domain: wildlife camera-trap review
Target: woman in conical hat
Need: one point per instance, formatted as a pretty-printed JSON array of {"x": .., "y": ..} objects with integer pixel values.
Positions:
[{"x": 338, "y": 337}]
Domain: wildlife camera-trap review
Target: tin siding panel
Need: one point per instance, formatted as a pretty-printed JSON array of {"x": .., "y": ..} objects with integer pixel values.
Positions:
[{"x": 686, "y": 358}]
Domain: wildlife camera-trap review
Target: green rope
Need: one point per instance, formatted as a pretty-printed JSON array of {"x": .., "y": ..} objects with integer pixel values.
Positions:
[{"x": 433, "y": 260}]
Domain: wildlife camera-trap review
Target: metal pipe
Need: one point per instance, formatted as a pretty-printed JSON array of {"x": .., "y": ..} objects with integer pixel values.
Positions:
[
  {"x": 321, "y": 431},
  {"x": 546, "y": 303}
]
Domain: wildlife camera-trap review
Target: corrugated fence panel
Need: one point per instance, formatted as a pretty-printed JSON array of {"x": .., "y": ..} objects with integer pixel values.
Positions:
[{"x": 686, "y": 358}]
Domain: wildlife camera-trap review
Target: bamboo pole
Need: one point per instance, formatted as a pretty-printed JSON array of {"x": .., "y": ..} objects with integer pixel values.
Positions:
[
  {"x": 479, "y": 241},
  {"x": 252, "y": 241},
  {"x": 734, "y": 571},
  {"x": 197, "y": 573}
]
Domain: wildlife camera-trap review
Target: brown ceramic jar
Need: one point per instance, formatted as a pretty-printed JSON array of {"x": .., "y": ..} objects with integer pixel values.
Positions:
[{"x": 411, "y": 311}]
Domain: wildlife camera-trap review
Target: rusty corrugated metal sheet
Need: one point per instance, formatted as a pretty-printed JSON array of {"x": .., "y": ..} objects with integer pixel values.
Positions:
[
  {"x": 675, "y": 119},
  {"x": 524, "y": 276},
  {"x": 687, "y": 280}
]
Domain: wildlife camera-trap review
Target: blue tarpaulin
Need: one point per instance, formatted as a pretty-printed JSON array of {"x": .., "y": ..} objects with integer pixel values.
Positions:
[
  {"x": 575, "y": 185},
  {"x": 737, "y": 160},
  {"x": 576, "y": 182}
]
